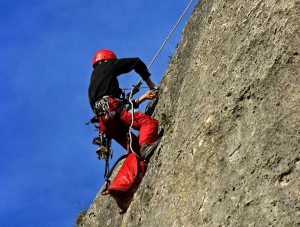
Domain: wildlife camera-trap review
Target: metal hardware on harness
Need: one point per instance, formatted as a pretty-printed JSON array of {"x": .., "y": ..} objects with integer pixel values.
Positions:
[
  {"x": 102, "y": 107},
  {"x": 104, "y": 151}
]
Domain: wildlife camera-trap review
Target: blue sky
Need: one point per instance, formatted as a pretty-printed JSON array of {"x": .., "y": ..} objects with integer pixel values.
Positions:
[{"x": 47, "y": 162}]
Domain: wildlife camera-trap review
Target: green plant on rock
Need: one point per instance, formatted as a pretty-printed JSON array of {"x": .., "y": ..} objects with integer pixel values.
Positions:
[
  {"x": 146, "y": 198},
  {"x": 80, "y": 217},
  {"x": 166, "y": 121}
]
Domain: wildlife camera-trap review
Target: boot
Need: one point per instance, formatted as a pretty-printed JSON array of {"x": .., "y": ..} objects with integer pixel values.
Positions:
[{"x": 147, "y": 150}]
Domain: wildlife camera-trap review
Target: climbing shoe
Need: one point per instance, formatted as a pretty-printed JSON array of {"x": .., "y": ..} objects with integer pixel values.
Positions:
[{"x": 147, "y": 150}]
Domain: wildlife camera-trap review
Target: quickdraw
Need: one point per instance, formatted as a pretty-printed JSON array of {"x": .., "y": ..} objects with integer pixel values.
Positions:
[{"x": 104, "y": 151}]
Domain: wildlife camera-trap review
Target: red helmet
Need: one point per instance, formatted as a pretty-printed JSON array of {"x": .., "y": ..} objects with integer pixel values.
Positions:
[{"x": 103, "y": 55}]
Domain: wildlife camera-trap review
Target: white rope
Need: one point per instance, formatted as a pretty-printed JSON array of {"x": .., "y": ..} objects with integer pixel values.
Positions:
[
  {"x": 156, "y": 55},
  {"x": 132, "y": 119},
  {"x": 166, "y": 40}
]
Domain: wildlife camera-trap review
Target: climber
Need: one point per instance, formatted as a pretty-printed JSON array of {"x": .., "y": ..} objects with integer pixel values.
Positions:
[{"x": 104, "y": 97}]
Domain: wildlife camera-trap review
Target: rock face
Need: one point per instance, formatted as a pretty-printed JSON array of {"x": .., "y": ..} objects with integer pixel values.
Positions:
[{"x": 230, "y": 106}]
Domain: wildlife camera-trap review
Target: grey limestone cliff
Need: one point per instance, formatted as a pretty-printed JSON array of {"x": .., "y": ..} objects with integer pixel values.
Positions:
[{"x": 230, "y": 106}]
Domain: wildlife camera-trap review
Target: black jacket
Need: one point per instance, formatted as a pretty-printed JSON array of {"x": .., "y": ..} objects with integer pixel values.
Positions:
[{"x": 104, "y": 77}]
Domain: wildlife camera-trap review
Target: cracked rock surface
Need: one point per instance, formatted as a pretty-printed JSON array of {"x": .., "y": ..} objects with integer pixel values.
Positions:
[{"x": 230, "y": 106}]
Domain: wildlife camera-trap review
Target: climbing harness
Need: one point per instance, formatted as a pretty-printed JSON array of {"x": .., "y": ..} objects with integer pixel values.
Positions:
[{"x": 102, "y": 107}]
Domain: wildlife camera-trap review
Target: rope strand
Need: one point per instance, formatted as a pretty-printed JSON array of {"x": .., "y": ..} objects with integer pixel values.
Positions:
[
  {"x": 132, "y": 118},
  {"x": 156, "y": 55}
]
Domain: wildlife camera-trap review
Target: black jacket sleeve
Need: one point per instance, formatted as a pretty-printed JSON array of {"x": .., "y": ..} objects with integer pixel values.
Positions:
[{"x": 125, "y": 65}]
